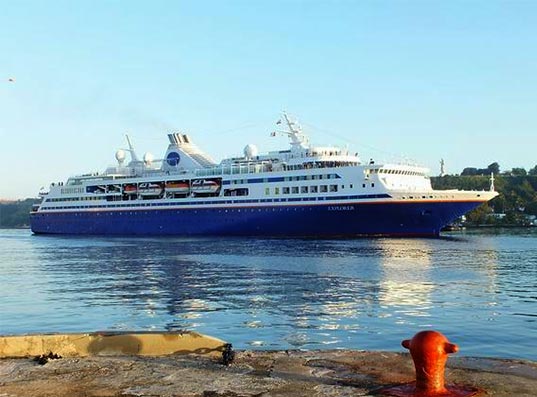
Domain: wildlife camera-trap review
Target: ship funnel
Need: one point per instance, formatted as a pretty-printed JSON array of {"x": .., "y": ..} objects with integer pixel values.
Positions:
[
  {"x": 183, "y": 155},
  {"x": 175, "y": 138}
]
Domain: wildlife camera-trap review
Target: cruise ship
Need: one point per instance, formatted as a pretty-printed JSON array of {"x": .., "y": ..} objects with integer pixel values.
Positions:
[{"x": 305, "y": 190}]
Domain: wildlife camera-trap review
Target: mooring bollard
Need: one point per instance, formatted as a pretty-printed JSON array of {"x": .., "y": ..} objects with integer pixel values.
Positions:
[{"x": 429, "y": 351}]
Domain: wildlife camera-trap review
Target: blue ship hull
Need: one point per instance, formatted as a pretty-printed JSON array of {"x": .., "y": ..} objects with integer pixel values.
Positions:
[{"x": 344, "y": 219}]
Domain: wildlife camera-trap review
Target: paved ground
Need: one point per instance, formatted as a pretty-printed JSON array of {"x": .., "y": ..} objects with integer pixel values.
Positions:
[{"x": 317, "y": 373}]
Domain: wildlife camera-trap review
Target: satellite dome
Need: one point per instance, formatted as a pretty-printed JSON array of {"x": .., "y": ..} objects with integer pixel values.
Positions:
[
  {"x": 250, "y": 151},
  {"x": 148, "y": 158},
  {"x": 120, "y": 156}
]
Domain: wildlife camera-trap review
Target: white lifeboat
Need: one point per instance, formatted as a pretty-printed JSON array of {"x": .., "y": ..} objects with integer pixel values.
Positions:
[
  {"x": 150, "y": 189},
  {"x": 205, "y": 186}
]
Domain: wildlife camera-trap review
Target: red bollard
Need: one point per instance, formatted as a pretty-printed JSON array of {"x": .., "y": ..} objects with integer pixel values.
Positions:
[{"x": 429, "y": 351}]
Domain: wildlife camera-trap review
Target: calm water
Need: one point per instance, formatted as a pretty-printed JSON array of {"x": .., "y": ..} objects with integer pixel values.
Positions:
[{"x": 479, "y": 289}]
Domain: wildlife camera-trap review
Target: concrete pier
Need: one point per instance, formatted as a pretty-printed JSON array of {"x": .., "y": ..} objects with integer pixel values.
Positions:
[{"x": 254, "y": 373}]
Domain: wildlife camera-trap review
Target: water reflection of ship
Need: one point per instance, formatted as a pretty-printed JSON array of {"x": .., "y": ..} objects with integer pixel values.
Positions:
[
  {"x": 406, "y": 280},
  {"x": 318, "y": 299}
]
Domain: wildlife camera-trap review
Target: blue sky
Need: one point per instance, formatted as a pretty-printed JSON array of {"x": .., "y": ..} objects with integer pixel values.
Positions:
[{"x": 422, "y": 80}]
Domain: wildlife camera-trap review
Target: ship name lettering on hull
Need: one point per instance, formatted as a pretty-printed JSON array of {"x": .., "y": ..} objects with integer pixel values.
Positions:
[{"x": 341, "y": 208}]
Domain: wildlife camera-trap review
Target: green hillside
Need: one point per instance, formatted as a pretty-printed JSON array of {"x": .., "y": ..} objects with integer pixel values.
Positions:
[
  {"x": 16, "y": 213},
  {"x": 515, "y": 205}
]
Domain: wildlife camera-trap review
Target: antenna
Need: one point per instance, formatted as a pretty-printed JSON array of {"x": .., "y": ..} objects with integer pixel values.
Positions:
[
  {"x": 131, "y": 149},
  {"x": 298, "y": 138},
  {"x": 491, "y": 182}
]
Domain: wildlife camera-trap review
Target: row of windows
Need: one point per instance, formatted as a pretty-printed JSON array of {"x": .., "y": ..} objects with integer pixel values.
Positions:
[
  {"x": 285, "y": 179},
  {"x": 220, "y": 211},
  {"x": 219, "y": 202},
  {"x": 309, "y": 189},
  {"x": 71, "y": 190},
  {"x": 55, "y": 200},
  {"x": 397, "y": 172},
  {"x": 304, "y": 189},
  {"x": 318, "y": 164}
]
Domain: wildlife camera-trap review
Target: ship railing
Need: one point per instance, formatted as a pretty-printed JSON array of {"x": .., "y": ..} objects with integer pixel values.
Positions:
[{"x": 234, "y": 170}]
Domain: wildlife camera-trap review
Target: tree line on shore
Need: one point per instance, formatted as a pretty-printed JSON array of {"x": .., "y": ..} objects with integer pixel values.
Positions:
[
  {"x": 16, "y": 214},
  {"x": 515, "y": 206}
]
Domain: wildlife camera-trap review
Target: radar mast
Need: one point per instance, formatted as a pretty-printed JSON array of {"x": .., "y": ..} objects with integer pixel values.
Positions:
[{"x": 299, "y": 140}]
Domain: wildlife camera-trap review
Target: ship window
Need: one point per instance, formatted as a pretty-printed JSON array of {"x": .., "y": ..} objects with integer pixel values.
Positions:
[
  {"x": 351, "y": 186},
  {"x": 236, "y": 192},
  {"x": 313, "y": 189},
  {"x": 333, "y": 188},
  {"x": 324, "y": 188},
  {"x": 294, "y": 189},
  {"x": 285, "y": 190},
  {"x": 267, "y": 191},
  {"x": 276, "y": 190},
  {"x": 363, "y": 184},
  {"x": 372, "y": 185}
]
